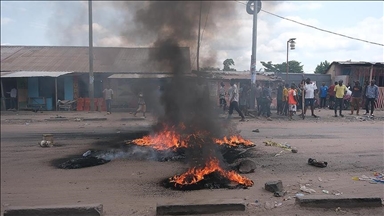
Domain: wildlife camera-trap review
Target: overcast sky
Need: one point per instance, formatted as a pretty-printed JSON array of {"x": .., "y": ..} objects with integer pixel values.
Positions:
[{"x": 65, "y": 23}]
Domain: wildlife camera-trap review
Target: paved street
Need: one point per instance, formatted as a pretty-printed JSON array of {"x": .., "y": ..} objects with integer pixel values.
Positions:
[{"x": 351, "y": 146}]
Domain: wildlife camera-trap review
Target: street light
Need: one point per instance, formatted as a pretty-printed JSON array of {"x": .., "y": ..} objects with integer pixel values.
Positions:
[{"x": 291, "y": 42}]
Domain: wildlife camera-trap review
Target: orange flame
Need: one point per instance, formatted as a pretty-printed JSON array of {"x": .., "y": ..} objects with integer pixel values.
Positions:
[
  {"x": 166, "y": 139},
  {"x": 194, "y": 175},
  {"x": 233, "y": 141}
]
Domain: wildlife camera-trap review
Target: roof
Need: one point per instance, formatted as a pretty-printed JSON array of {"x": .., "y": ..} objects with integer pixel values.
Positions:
[
  {"x": 358, "y": 63},
  {"x": 34, "y": 74},
  {"x": 141, "y": 76},
  {"x": 244, "y": 75},
  {"x": 75, "y": 58}
]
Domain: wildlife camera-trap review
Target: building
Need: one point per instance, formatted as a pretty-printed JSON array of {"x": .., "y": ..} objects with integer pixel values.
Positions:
[
  {"x": 350, "y": 71},
  {"x": 46, "y": 74}
]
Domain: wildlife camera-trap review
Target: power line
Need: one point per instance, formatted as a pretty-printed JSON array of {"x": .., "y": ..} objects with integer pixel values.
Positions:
[
  {"x": 202, "y": 33},
  {"x": 314, "y": 27}
]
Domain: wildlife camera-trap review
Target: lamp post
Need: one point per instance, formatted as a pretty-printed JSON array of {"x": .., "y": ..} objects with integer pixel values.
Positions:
[
  {"x": 253, "y": 11},
  {"x": 291, "y": 42},
  {"x": 91, "y": 77}
]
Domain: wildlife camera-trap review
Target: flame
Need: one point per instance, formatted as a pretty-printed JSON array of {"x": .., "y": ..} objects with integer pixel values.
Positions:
[
  {"x": 234, "y": 140},
  {"x": 165, "y": 139},
  {"x": 169, "y": 138},
  {"x": 194, "y": 175}
]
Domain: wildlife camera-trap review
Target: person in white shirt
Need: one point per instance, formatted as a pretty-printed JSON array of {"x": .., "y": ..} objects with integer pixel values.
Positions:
[
  {"x": 108, "y": 95},
  {"x": 222, "y": 101},
  {"x": 309, "y": 90},
  {"x": 234, "y": 100},
  {"x": 13, "y": 94}
]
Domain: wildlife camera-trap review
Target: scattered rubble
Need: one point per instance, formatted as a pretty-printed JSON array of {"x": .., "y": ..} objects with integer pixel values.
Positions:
[
  {"x": 276, "y": 187},
  {"x": 247, "y": 166},
  {"x": 316, "y": 163}
]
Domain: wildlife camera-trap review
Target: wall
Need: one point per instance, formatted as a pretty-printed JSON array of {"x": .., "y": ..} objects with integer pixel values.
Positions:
[
  {"x": 68, "y": 88},
  {"x": 33, "y": 87}
]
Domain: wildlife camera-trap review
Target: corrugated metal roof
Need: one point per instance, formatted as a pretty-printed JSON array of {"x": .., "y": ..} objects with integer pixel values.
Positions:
[
  {"x": 358, "y": 63},
  {"x": 34, "y": 74},
  {"x": 238, "y": 75},
  {"x": 69, "y": 58},
  {"x": 141, "y": 76}
]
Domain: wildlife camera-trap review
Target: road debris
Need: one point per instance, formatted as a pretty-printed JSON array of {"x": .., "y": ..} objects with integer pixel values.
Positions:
[
  {"x": 307, "y": 190},
  {"x": 320, "y": 180},
  {"x": 325, "y": 191},
  {"x": 276, "y": 187},
  {"x": 299, "y": 195},
  {"x": 376, "y": 178},
  {"x": 316, "y": 163},
  {"x": 256, "y": 131}
]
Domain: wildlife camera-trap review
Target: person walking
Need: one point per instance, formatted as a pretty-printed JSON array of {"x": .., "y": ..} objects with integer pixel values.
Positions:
[
  {"x": 108, "y": 96},
  {"x": 142, "y": 106},
  {"x": 372, "y": 95},
  {"x": 234, "y": 100},
  {"x": 323, "y": 95},
  {"x": 292, "y": 100},
  {"x": 309, "y": 91},
  {"x": 356, "y": 97},
  {"x": 222, "y": 93},
  {"x": 331, "y": 93},
  {"x": 340, "y": 91}
]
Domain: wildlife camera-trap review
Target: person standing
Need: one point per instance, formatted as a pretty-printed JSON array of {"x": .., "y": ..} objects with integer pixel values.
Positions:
[
  {"x": 222, "y": 93},
  {"x": 13, "y": 95},
  {"x": 292, "y": 100},
  {"x": 285, "y": 99},
  {"x": 267, "y": 99},
  {"x": 309, "y": 91},
  {"x": 356, "y": 97},
  {"x": 142, "y": 106},
  {"x": 372, "y": 95},
  {"x": 323, "y": 95},
  {"x": 258, "y": 96},
  {"x": 340, "y": 91},
  {"x": 108, "y": 96},
  {"x": 279, "y": 99},
  {"x": 366, "y": 84},
  {"x": 234, "y": 100},
  {"x": 331, "y": 93}
]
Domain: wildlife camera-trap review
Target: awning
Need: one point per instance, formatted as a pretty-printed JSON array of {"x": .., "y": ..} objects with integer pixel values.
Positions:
[{"x": 16, "y": 74}]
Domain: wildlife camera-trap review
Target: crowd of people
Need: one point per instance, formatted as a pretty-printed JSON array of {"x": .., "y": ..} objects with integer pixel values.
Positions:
[{"x": 289, "y": 98}]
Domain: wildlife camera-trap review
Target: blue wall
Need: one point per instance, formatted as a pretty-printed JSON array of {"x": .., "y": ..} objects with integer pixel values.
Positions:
[
  {"x": 33, "y": 87},
  {"x": 68, "y": 88}
]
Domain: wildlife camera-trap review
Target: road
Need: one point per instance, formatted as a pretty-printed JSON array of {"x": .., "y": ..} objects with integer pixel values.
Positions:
[{"x": 351, "y": 146}]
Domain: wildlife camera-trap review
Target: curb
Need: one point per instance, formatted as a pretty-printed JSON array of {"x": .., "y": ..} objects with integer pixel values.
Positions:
[
  {"x": 132, "y": 119},
  {"x": 199, "y": 207},
  {"x": 83, "y": 210},
  {"x": 332, "y": 202},
  {"x": 94, "y": 119},
  {"x": 56, "y": 119}
]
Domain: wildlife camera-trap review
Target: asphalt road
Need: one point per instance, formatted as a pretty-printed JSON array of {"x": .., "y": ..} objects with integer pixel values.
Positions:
[{"x": 351, "y": 147}]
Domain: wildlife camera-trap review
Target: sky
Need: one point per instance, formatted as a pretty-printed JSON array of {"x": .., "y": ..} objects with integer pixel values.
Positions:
[{"x": 50, "y": 23}]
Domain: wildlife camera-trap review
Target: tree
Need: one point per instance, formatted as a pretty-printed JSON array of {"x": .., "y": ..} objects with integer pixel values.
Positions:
[
  {"x": 294, "y": 67},
  {"x": 227, "y": 65},
  {"x": 322, "y": 67}
]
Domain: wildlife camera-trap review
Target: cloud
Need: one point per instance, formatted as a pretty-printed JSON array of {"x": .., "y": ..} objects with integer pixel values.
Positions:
[{"x": 6, "y": 20}]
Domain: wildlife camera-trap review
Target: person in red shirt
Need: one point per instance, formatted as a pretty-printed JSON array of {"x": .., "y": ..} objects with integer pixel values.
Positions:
[
  {"x": 331, "y": 94},
  {"x": 292, "y": 100}
]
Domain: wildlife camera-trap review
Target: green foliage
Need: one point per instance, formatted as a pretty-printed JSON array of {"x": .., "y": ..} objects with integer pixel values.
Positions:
[
  {"x": 294, "y": 67},
  {"x": 209, "y": 69},
  {"x": 322, "y": 67},
  {"x": 227, "y": 65}
]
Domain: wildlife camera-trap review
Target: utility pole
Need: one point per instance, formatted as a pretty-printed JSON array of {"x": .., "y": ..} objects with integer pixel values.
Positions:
[
  {"x": 256, "y": 9},
  {"x": 91, "y": 77},
  {"x": 198, "y": 39}
]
